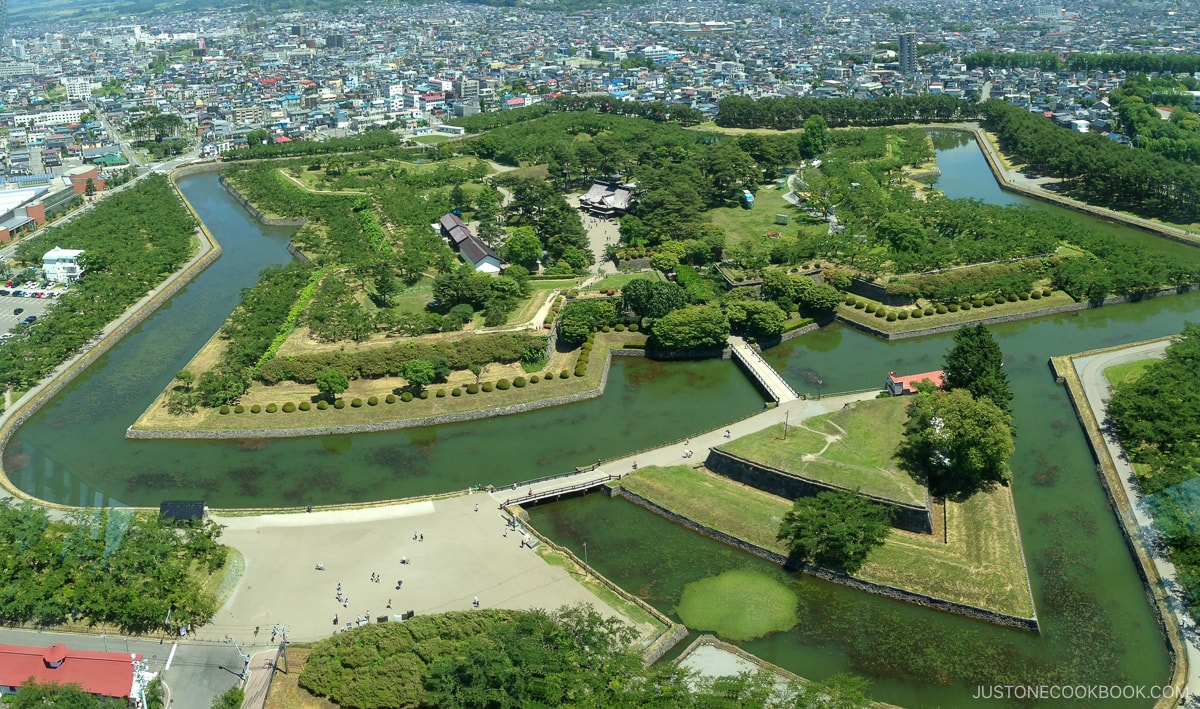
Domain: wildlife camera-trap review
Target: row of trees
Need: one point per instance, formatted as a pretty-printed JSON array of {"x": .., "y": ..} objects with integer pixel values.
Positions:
[
  {"x": 790, "y": 113},
  {"x": 499, "y": 658},
  {"x": 1156, "y": 417},
  {"x": 371, "y": 140},
  {"x": 111, "y": 567},
  {"x": 1095, "y": 169},
  {"x": 656, "y": 111},
  {"x": 156, "y": 238},
  {"x": 1086, "y": 61}
]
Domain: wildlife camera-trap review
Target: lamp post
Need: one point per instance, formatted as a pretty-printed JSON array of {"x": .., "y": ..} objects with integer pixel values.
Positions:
[{"x": 585, "y": 561}]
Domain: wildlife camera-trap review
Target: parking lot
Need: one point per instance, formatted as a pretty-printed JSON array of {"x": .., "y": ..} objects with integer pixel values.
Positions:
[{"x": 28, "y": 306}]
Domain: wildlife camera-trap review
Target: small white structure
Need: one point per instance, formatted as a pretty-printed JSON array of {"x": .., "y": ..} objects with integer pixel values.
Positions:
[{"x": 62, "y": 265}]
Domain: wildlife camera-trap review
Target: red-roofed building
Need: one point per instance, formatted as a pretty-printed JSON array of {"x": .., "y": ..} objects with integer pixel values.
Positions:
[
  {"x": 897, "y": 385},
  {"x": 105, "y": 674}
]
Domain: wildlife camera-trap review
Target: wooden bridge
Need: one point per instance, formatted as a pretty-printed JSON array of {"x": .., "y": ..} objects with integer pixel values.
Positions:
[{"x": 768, "y": 379}]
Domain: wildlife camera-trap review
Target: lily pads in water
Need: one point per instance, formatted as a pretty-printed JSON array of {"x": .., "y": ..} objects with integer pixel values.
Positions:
[{"x": 739, "y": 605}]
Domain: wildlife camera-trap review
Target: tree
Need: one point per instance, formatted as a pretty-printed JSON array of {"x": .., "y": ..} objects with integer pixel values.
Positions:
[
  {"x": 818, "y": 297},
  {"x": 231, "y": 699},
  {"x": 835, "y": 529},
  {"x": 458, "y": 198},
  {"x": 580, "y": 318},
  {"x": 89, "y": 188},
  {"x": 652, "y": 299},
  {"x": 757, "y": 318},
  {"x": 331, "y": 382},
  {"x": 957, "y": 444},
  {"x": 693, "y": 327},
  {"x": 976, "y": 364},
  {"x": 815, "y": 138},
  {"x": 420, "y": 373},
  {"x": 256, "y": 137},
  {"x": 523, "y": 247}
]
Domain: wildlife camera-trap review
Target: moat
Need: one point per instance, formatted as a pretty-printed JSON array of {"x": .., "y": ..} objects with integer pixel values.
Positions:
[{"x": 1097, "y": 625}]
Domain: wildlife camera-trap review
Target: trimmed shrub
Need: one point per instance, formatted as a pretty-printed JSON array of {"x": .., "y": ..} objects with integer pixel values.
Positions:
[
  {"x": 548, "y": 375},
  {"x": 564, "y": 374},
  {"x": 891, "y": 317},
  {"x": 606, "y": 328},
  {"x": 849, "y": 300},
  {"x": 519, "y": 382},
  {"x": 239, "y": 409},
  {"x": 289, "y": 407},
  {"x": 619, "y": 328},
  {"x": 633, "y": 327},
  {"x": 255, "y": 409},
  {"x": 472, "y": 388},
  {"x": 322, "y": 405},
  {"x": 271, "y": 408},
  {"x": 339, "y": 404},
  {"x": 441, "y": 393},
  {"x": 903, "y": 315},
  {"x": 880, "y": 313},
  {"x": 989, "y": 302},
  {"x": 871, "y": 307},
  {"x": 930, "y": 311},
  {"x": 1022, "y": 296},
  {"x": 503, "y": 385},
  {"x": 634, "y": 346},
  {"x": 390, "y": 398},
  {"x": 424, "y": 394},
  {"x": 581, "y": 371},
  {"x": 223, "y": 410},
  {"x": 916, "y": 313},
  {"x": 488, "y": 386},
  {"x": 373, "y": 401},
  {"x": 305, "y": 406},
  {"x": 406, "y": 397},
  {"x": 356, "y": 403},
  {"x": 1011, "y": 297},
  {"x": 859, "y": 305},
  {"x": 1046, "y": 292},
  {"x": 535, "y": 379},
  {"x": 953, "y": 307},
  {"x": 977, "y": 303},
  {"x": 941, "y": 309},
  {"x": 456, "y": 392},
  {"x": 965, "y": 305}
]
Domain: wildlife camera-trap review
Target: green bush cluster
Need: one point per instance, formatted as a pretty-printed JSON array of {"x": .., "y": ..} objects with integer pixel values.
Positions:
[
  {"x": 503, "y": 384},
  {"x": 534, "y": 379},
  {"x": 441, "y": 393},
  {"x": 373, "y": 401},
  {"x": 519, "y": 382},
  {"x": 390, "y": 399},
  {"x": 271, "y": 408},
  {"x": 456, "y": 392},
  {"x": 472, "y": 388},
  {"x": 406, "y": 397},
  {"x": 356, "y": 403},
  {"x": 224, "y": 409},
  {"x": 289, "y": 407},
  {"x": 305, "y": 406},
  {"x": 322, "y": 405},
  {"x": 424, "y": 394},
  {"x": 339, "y": 404},
  {"x": 488, "y": 386},
  {"x": 239, "y": 409}
]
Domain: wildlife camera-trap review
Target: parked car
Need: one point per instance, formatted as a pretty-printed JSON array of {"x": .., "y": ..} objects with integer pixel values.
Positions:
[
  {"x": 30, "y": 319},
  {"x": 4, "y": 292},
  {"x": 18, "y": 311}
]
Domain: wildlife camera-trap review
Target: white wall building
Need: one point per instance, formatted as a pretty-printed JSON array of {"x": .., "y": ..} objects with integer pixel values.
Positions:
[
  {"x": 45, "y": 118},
  {"x": 62, "y": 265}
]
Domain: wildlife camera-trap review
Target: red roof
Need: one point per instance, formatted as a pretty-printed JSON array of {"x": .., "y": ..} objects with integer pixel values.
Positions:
[
  {"x": 908, "y": 381},
  {"x": 109, "y": 674}
]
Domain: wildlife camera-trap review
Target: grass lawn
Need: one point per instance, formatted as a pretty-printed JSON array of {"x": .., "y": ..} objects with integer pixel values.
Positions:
[
  {"x": 713, "y": 127},
  {"x": 1119, "y": 374},
  {"x": 156, "y": 418},
  {"x": 414, "y": 297},
  {"x": 1055, "y": 299},
  {"x": 980, "y": 563},
  {"x": 430, "y": 139},
  {"x": 619, "y": 280},
  {"x": 285, "y": 688},
  {"x": 740, "y": 223},
  {"x": 851, "y": 448}
]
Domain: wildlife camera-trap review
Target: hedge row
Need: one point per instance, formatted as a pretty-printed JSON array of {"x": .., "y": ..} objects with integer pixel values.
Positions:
[{"x": 891, "y": 315}]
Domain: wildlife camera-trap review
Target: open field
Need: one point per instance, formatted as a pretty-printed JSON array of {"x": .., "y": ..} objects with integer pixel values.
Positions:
[
  {"x": 156, "y": 416},
  {"x": 980, "y": 563},
  {"x": 1055, "y": 299},
  {"x": 1119, "y": 374},
  {"x": 740, "y": 223},
  {"x": 851, "y": 448}
]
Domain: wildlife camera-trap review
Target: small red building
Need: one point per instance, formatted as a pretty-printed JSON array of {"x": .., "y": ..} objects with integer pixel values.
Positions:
[
  {"x": 105, "y": 674},
  {"x": 897, "y": 385}
]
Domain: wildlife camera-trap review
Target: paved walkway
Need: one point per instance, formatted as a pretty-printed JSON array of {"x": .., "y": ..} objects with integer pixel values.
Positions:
[
  {"x": 262, "y": 666},
  {"x": 468, "y": 552},
  {"x": 776, "y": 386},
  {"x": 1091, "y": 375}
]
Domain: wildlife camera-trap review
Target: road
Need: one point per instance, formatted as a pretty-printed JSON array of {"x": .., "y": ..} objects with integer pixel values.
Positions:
[
  {"x": 1091, "y": 375},
  {"x": 199, "y": 671}
]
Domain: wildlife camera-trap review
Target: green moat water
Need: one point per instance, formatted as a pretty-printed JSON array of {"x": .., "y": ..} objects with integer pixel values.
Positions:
[{"x": 1097, "y": 624}]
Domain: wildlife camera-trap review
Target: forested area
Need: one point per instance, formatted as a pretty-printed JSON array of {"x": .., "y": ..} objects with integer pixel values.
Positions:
[
  {"x": 568, "y": 657},
  {"x": 371, "y": 140},
  {"x": 656, "y": 111},
  {"x": 156, "y": 237},
  {"x": 1095, "y": 169},
  {"x": 789, "y": 113},
  {"x": 112, "y": 567},
  {"x": 1135, "y": 103},
  {"x": 1157, "y": 416}
]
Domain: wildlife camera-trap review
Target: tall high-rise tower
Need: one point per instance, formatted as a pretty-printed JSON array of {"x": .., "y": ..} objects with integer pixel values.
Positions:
[
  {"x": 3, "y": 21},
  {"x": 908, "y": 52}
]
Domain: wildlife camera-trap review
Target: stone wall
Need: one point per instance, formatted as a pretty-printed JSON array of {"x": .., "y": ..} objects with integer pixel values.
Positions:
[
  {"x": 877, "y": 291},
  {"x": 899, "y": 594},
  {"x": 914, "y": 518},
  {"x": 254, "y": 211}
]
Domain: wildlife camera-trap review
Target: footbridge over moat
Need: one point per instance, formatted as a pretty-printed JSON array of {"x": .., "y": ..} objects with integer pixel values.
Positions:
[{"x": 768, "y": 379}]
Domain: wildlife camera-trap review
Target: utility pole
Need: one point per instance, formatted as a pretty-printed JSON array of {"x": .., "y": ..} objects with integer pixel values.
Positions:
[
  {"x": 785, "y": 423},
  {"x": 283, "y": 651}
]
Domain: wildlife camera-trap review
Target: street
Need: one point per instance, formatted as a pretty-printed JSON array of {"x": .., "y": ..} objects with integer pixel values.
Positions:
[{"x": 199, "y": 671}]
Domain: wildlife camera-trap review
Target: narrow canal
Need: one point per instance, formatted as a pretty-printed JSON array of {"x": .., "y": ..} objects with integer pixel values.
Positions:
[{"x": 1097, "y": 626}]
